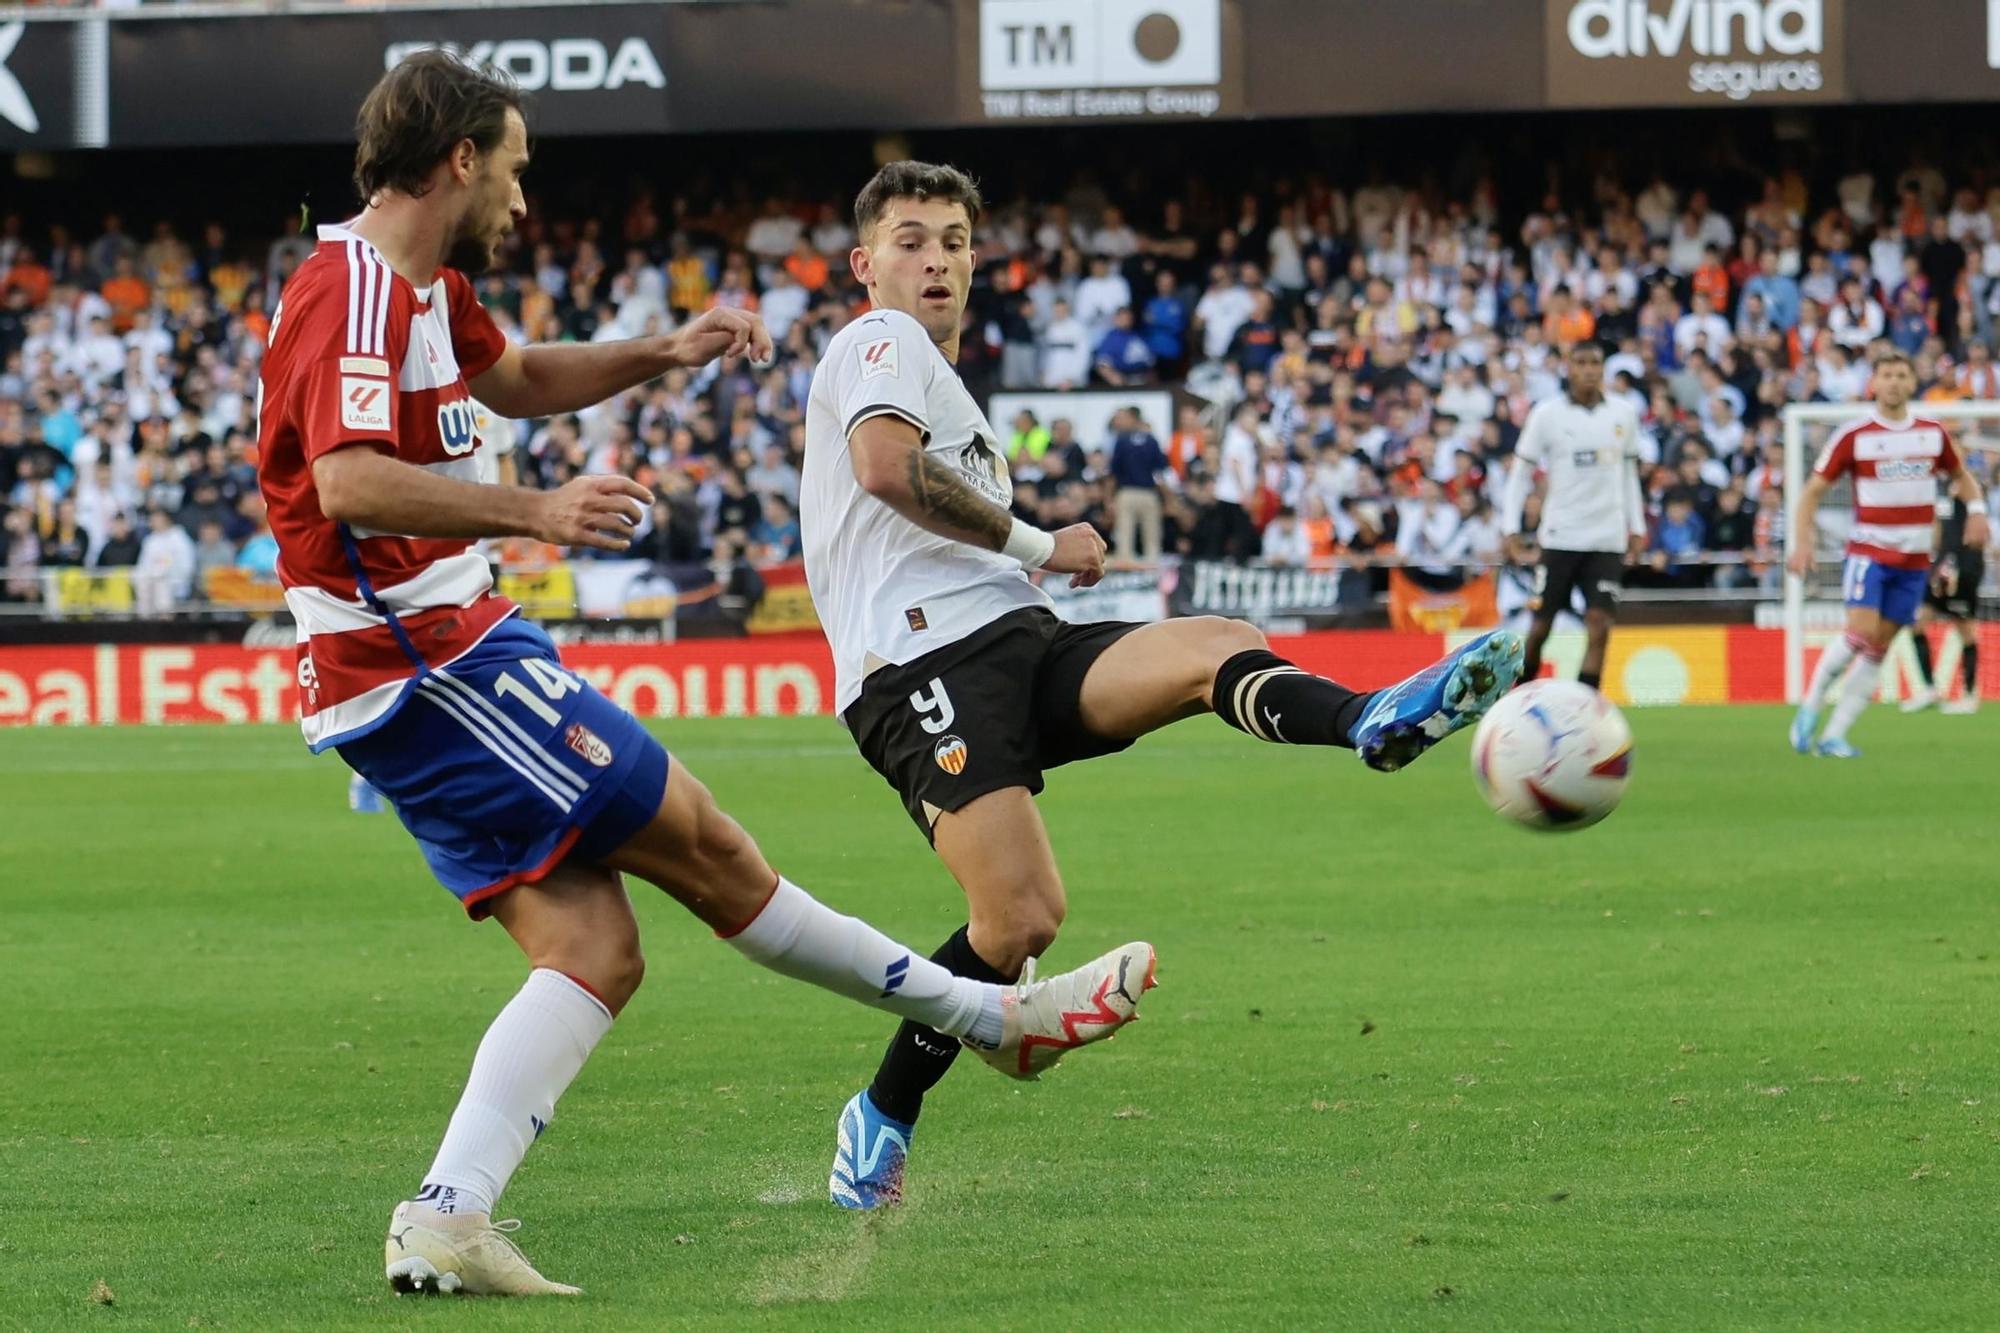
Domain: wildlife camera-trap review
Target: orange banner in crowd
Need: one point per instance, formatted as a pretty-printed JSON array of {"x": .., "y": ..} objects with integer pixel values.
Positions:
[
  {"x": 793, "y": 676},
  {"x": 229, "y": 586},
  {"x": 787, "y": 607},
  {"x": 1413, "y": 607}
]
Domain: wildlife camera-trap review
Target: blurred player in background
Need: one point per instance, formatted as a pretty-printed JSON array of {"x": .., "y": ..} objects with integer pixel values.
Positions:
[
  {"x": 1895, "y": 459},
  {"x": 957, "y": 679},
  {"x": 1953, "y": 597},
  {"x": 1593, "y": 515},
  {"x": 528, "y": 791},
  {"x": 496, "y": 451}
]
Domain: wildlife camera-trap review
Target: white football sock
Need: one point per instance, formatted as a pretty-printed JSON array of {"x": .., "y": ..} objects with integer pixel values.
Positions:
[
  {"x": 1831, "y": 663},
  {"x": 525, "y": 1062},
  {"x": 803, "y": 938},
  {"x": 1855, "y": 692}
]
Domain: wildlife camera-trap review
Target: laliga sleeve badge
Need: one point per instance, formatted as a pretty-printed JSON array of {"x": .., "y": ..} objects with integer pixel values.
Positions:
[
  {"x": 588, "y": 744},
  {"x": 951, "y": 755},
  {"x": 364, "y": 403},
  {"x": 878, "y": 358}
]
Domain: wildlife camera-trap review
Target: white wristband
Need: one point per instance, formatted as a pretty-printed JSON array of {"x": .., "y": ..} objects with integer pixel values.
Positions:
[
  {"x": 1976, "y": 507},
  {"x": 1029, "y": 545}
]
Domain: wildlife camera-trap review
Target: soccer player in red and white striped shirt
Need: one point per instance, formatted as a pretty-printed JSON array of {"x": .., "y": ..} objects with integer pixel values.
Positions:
[
  {"x": 1895, "y": 459},
  {"x": 529, "y": 792}
]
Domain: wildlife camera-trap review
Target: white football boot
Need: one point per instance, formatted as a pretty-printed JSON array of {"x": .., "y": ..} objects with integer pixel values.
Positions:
[
  {"x": 1963, "y": 706},
  {"x": 466, "y": 1254},
  {"x": 1920, "y": 699},
  {"x": 1045, "y": 1020}
]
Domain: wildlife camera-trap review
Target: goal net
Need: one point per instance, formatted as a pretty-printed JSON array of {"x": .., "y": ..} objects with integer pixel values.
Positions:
[{"x": 1812, "y": 604}]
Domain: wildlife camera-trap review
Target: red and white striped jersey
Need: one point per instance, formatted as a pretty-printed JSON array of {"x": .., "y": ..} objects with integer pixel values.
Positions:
[
  {"x": 360, "y": 356},
  {"x": 1895, "y": 466}
]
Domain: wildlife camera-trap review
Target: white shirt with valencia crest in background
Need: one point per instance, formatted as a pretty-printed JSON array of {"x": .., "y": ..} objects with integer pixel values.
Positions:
[
  {"x": 886, "y": 590},
  {"x": 1590, "y": 456}
]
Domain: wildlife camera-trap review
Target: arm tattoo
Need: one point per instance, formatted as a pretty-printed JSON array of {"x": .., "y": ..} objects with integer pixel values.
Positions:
[{"x": 942, "y": 494}]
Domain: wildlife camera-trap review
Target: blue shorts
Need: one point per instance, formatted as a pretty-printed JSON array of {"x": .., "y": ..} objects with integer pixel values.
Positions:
[
  {"x": 504, "y": 764},
  {"x": 1894, "y": 593}
]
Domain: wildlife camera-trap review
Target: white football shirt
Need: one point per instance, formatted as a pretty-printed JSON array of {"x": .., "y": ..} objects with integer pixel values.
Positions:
[
  {"x": 886, "y": 590},
  {"x": 496, "y": 437},
  {"x": 1590, "y": 456}
]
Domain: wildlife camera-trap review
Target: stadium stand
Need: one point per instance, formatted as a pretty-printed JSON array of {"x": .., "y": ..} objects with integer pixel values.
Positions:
[{"x": 1351, "y": 365}]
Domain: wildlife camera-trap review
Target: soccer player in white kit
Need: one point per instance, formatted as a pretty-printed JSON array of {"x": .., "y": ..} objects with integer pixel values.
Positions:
[
  {"x": 530, "y": 794},
  {"x": 1593, "y": 517},
  {"x": 957, "y": 680}
]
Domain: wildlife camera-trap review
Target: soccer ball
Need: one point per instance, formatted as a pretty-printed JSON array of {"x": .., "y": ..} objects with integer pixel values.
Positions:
[{"x": 1553, "y": 754}]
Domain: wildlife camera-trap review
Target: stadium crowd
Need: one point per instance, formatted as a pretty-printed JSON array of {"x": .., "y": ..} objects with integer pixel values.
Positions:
[{"x": 1356, "y": 363}]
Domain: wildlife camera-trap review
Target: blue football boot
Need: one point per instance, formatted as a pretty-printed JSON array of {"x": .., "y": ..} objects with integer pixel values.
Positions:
[
  {"x": 1804, "y": 723},
  {"x": 1408, "y": 718},
  {"x": 868, "y": 1163}
]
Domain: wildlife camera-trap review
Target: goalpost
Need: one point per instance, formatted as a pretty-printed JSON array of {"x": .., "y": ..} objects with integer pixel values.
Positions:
[{"x": 1808, "y": 426}]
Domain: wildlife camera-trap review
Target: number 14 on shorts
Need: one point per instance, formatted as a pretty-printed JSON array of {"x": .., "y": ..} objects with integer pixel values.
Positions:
[{"x": 554, "y": 682}]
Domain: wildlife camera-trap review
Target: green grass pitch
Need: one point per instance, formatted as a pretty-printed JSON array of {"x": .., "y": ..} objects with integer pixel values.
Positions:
[{"x": 1731, "y": 1060}]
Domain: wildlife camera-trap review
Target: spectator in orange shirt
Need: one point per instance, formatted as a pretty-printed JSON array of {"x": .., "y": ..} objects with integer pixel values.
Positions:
[
  {"x": 1188, "y": 442},
  {"x": 1567, "y": 321},
  {"x": 1978, "y": 378},
  {"x": 1015, "y": 275},
  {"x": 537, "y": 309},
  {"x": 1911, "y": 219},
  {"x": 1946, "y": 388},
  {"x": 128, "y": 294},
  {"x": 28, "y": 276},
  {"x": 688, "y": 282},
  {"x": 1319, "y": 530},
  {"x": 1711, "y": 279},
  {"x": 806, "y": 265},
  {"x": 255, "y": 322},
  {"x": 1810, "y": 336}
]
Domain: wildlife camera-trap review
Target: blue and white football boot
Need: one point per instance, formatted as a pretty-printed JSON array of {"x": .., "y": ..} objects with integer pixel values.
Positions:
[
  {"x": 1042, "y": 1019},
  {"x": 1836, "y": 747},
  {"x": 1804, "y": 723},
  {"x": 1410, "y": 717},
  {"x": 868, "y": 1161}
]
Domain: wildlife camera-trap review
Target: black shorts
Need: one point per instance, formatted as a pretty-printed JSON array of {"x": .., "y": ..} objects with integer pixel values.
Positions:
[
  {"x": 1600, "y": 575},
  {"x": 993, "y": 710},
  {"x": 1963, "y": 602}
]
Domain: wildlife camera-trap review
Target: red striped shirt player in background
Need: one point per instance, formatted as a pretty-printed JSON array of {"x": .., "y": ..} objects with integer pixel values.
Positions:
[
  {"x": 528, "y": 791},
  {"x": 1895, "y": 459}
]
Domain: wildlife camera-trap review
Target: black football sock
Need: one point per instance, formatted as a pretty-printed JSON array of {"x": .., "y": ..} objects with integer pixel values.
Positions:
[
  {"x": 1260, "y": 693},
  {"x": 1531, "y": 664},
  {"x": 1968, "y": 662},
  {"x": 918, "y": 1057},
  {"x": 1594, "y": 679},
  {"x": 1920, "y": 642}
]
